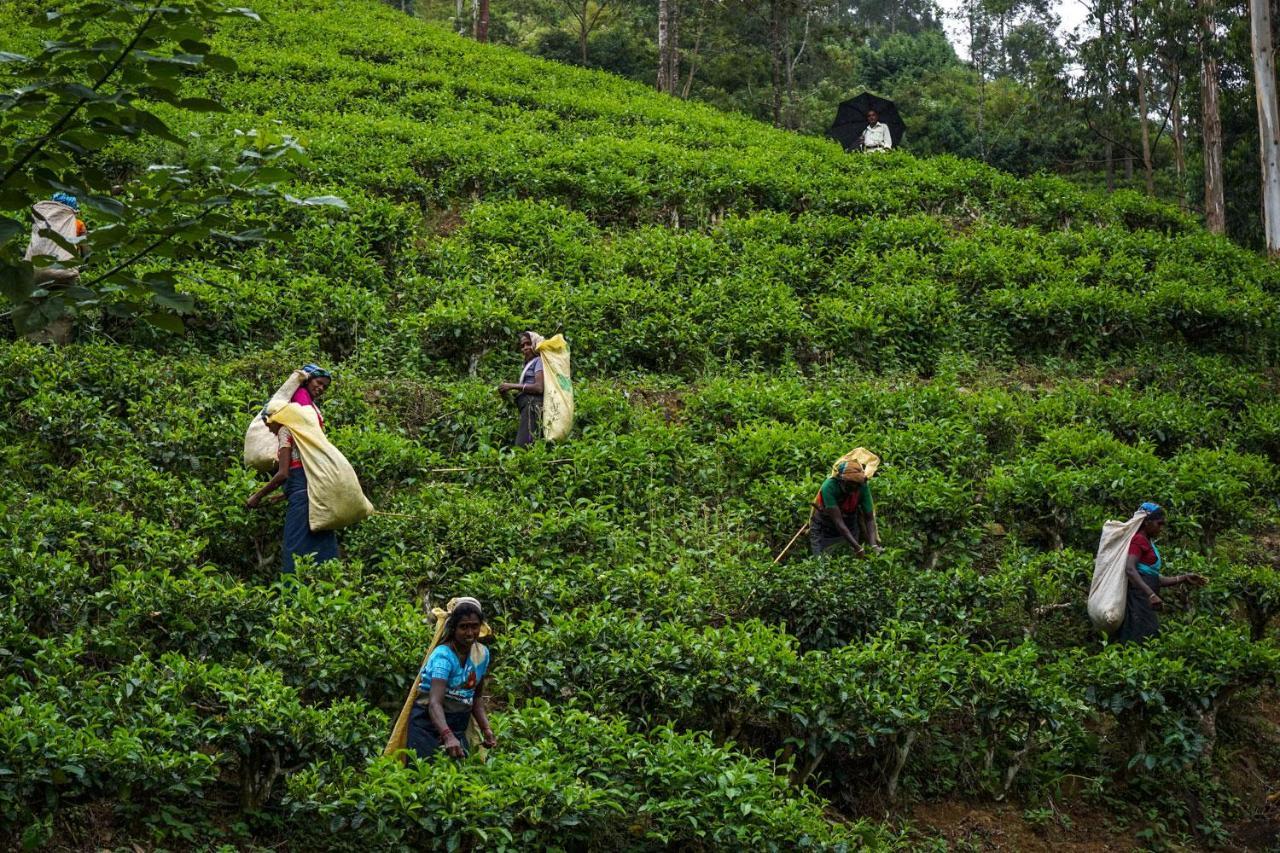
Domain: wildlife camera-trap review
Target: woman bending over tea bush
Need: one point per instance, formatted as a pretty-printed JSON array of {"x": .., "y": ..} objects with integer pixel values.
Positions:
[
  {"x": 299, "y": 538},
  {"x": 1142, "y": 567},
  {"x": 842, "y": 509},
  {"x": 528, "y": 390}
]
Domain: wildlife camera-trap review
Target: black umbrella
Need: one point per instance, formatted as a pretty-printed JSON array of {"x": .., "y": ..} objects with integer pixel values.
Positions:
[{"x": 851, "y": 120}]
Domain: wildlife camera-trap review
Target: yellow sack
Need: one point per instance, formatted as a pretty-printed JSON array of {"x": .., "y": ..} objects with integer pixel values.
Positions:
[
  {"x": 557, "y": 389},
  {"x": 261, "y": 448},
  {"x": 400, "y": 731},
  {"x": 333, "y": 491},
  {"x": 868, "y": 460}
]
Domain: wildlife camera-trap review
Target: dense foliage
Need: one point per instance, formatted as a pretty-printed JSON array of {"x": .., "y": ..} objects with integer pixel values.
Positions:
[
  {"x": 744, "y": 306},
  {"x": 1027, "y": 86}
]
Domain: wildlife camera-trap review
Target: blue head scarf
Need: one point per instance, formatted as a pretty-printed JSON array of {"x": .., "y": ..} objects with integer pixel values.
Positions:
[
  {"x": 1152, "y": 509},
  {"x": 68, "y": 199},
  {"x": 315, "y": 371}
]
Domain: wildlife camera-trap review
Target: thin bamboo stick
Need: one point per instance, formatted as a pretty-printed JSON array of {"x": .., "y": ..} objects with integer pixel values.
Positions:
[{"x": 803, "y": 529}]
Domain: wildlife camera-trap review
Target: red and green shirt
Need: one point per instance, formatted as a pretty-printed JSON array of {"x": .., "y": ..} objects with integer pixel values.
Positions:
[{"x": 850, "y": 497}]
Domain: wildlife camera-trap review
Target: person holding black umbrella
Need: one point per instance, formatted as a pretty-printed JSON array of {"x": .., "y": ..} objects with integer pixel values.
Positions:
[
  {"x": 868, "y": 123},
  {"x": 876, "y": 137}
]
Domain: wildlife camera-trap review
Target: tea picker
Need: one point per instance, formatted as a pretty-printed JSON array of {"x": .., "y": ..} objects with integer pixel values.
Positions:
[
  {"x": 448, "y": 691},
  {"x": 1124, "y": 597},
  {"x": 842, "y": 511},
  {"x": 544, "y": 394}
]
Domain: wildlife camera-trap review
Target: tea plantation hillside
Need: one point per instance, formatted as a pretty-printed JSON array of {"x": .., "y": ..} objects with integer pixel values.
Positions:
[{"x": 744, "y": 305}]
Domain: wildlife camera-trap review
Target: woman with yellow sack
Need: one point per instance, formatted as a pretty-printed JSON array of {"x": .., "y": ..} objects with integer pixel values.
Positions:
[
  {"x": 843, "y": 509},
  {"x": 323, "y": 491},
  {"x": 544, "y": 394},
  {"x": 528, "y": 390},
  {"x": 449, "y": 690}
]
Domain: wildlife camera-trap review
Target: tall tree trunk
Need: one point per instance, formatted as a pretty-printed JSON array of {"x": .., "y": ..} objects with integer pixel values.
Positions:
[
  {"x": 673, "y": 47},
  {"x": 793, "y": 120},
  {"x": 775, "y": 58},
  {"x": 1215, "y": 208},
  {"x": 482, "y": 21},
  {"x": 1108, "y": 147},
  {"x": 1144, "y": 116},
  {"x": 693, "y": 64},
  {"x": 457, "y": 18},
  {"x": 1179, "y": 140},
  {"x": 664, "y": 64},
  {"x": 789, "y": 66},
  {"x": 1144, "y": 121},
  {"x": 977, "y": 57},
  {"x": 1264, "y": 81}
]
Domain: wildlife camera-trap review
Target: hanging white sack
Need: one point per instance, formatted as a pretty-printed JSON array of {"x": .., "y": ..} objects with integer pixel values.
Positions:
[
  {"x": 261, "y": 447},
  {"x": 1110, "y": 586},
  {"x": 61, "y": 219}
]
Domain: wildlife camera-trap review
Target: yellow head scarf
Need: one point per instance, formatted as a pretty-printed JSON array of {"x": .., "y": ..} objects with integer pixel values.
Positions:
[{"x": 867, "y": 461}]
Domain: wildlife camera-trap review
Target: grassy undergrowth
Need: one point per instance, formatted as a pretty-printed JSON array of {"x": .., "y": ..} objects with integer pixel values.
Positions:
[{"x": 744, "y": 306}]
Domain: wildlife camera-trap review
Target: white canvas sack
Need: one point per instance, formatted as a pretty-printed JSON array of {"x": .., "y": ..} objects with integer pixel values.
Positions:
[
  {"x": 58, "y": 217},
  {"x": 1110, "y": 586},
  {"x": 261, "y": 447}
]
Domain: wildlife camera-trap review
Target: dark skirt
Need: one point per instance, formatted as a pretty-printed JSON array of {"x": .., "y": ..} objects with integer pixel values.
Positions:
[
  {"x": 1140, "y": 619},
  {"x": 823, "y": 535},
  {"x": 298, "y": 536},
  {"x": 530, "y": 406},
  {"x": 423, "y": 738}
]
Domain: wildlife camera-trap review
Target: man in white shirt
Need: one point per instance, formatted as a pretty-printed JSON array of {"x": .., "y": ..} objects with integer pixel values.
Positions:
[{"x": 876, "y": 137}]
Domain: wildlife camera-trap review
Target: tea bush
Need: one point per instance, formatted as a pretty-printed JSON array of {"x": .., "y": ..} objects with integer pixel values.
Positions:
[{"x": 743, "y": 306}]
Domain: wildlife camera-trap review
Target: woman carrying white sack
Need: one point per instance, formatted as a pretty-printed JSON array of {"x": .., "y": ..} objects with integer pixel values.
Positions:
[
  {"x": 319, "y": 483},
  {"x": 1130, "y": 612}
]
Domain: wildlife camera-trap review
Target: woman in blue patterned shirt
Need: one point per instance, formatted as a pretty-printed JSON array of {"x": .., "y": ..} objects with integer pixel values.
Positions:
[{"x": 452, "y": 687}]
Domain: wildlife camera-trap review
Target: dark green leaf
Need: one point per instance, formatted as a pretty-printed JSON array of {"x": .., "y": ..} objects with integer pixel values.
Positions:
[
  {"x": 15, "y": 282},
  {"x": 221, "y": 63},
  {"x": 243, "y": 12},
  {"x": 105, "y": 205},
  {"x": 31, "y": 317},
  {"x": 179, "y": 303},
  {"x": 321, "y": 201},
  {"x": 166, "y": 322},
  {"x": 10, "y": 228}
]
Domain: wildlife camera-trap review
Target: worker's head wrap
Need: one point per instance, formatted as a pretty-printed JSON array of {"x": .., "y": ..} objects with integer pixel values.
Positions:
[
  {"x": 851, "y": 471},
  {"x": 534, "y": 338},
  {"x": 869, "y": 461},
  {"x": 445, "y": 624},
  {"x": 68, "y": 199},
  {"x": 1154, "y": 511},
  {"x": 314, "y": 371}
]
